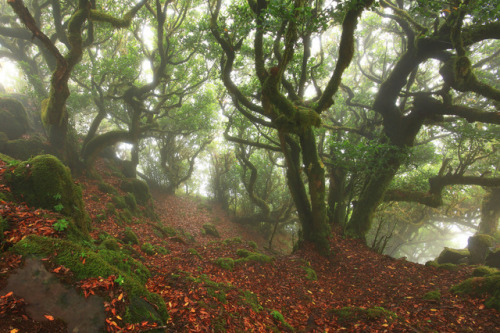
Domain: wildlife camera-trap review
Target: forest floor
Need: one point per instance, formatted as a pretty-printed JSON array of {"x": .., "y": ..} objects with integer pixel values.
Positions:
[{"x": 353, "y": 290}]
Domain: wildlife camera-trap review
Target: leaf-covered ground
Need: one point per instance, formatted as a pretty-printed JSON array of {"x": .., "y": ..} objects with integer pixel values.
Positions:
[{"x": 353, "y": 290}]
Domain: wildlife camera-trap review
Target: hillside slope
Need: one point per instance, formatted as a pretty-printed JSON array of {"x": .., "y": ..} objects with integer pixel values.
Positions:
[{"x": 227, "y": 283}]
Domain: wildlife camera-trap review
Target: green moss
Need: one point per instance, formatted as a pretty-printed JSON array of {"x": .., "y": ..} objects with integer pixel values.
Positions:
[
  {"x": 252, "y": 244},
  {"x": 101, "y": 264},
  {"x": 119, "y": 202},
  {"x": 234, "y": 240},
  {"x": 24, "y": 149},
  {"x": 7, "y": 159},
  {"x": 279, "y": 317},
  {"x": 148, "y": 249},
  {"x": 310, "y": 273},
  {"x": 195, "y": 253},
  {"x": 138, "y": 188},
  {"x": 243, "y": 253},
  {"x": 432, "y": 263},
  {"x": 43, "y": 181},
  {"x": 448, "y": 267},
  {"x": 452, "y": 256},
  {"x": 164, "y": 230},
  {"x": 488, "y": 286},
  {"x": 225, "y": 263},
  {"x": 130, "y": 201},
  {"x": 13, "y": 118},
  {"x": 258, "y": 257},
  {"x": 434, "y": 295},
  {"x": 110, "y": 209},
  {"x": 125, "y": 216},
  {"x": 478, "y": 246},
  {"x": 130, "y": 237},
  {"x": 354, "y": 314},
  {"x": 4, "y": 226},
  {"x": 107, "y": 188},
  {"x": 110, "y": 244},
  {"x": 210, "y": 229},
  {"x": 162, "y": 250},
  {"x": 249, "y": 298},
  {"x": 484, "y": 270}
]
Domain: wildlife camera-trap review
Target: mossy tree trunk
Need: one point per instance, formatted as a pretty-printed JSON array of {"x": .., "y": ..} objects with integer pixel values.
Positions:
[
  {"x": 490, "y": 212},
  {"x": 290, "y": 114},
  {"x": 402, "y": 126},
  {"x": 54, "y": 113}
]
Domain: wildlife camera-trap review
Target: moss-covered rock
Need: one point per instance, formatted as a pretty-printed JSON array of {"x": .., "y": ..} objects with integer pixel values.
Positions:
[
  {"x": 434, "y": 295},
  {"x": 354, "y": 314},
  {"x": 13, "y": 118},
  {"x": 110, "y": 244},
  {"x": 493, "y": 259},
  {"x": 24, "y": 149},
  {"x": 452, "y": 256},
  {"x": 130, "y": 237},
  {"x": 488, "y": 286},
  {"x": 43, "y": 181},
  {"x": 106, "y": 188},
  {"x": 225, "y": 263},
  {"x": 483, "y": 271},
  {"x": 98, "y": 264},
  {"x": 210, "y": 229},
  {"x": 310, "y": 273},
  {"x": 479, "y": 248},
  {"x": 252, "y": 244},
  {"x": 448, "y": 266},
  {"x": 243, "y": 253},
  {"x": 130, "y": 201},
  {"x": 119, "y": 202},
  {"x": 138, "y": 188}
]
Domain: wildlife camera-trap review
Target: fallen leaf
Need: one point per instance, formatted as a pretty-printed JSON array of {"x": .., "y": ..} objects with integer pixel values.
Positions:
[{"x": 49, "y": 317}]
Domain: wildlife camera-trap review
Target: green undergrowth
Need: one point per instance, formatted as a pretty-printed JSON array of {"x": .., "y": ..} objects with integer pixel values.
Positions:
[
  {"x": 218, "y": 293},
  {"x": 279, "y": 317},
  {"x": 353, "y": 314},
  {"x": 103, "y": 262},
  {"x": 245, "y": 256},
  {"x": 446, "y": 266},
  {"x": 482, "y": 286},
  {"x": 434, "y": 295}
]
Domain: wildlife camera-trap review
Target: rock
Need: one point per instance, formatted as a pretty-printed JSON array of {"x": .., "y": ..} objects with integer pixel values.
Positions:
[
  {"x": 43, "y": 181},
  {"x": 493, "y": 259},
  {"x": 13, "y": 118},
  {"x": 479, "y": 247},
  {"x": 44, "y": 294},
  {"x": 210, "y": 229},
  {"x": 452, "y": 256}
]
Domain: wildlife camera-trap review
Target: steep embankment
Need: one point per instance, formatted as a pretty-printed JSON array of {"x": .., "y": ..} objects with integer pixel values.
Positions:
[{"x": 227, "y": 283}]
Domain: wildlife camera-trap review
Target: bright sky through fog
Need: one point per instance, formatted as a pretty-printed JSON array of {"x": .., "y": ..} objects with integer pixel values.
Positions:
[{"x": 9, "y": 74}]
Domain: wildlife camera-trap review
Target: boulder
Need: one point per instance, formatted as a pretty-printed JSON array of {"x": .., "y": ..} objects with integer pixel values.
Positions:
[
  {"x": 479, "y": 247},
  {"x": 43, "y": 181},
  {"x": 13, "y": 118},
  {"x": 452, "y": 256},
  {"x": 493, "y": 259}
]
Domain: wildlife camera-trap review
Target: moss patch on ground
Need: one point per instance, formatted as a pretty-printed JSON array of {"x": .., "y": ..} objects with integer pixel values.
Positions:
[
  {"x": 488, "y": 285},
  {"x": 102, "y": 263}
]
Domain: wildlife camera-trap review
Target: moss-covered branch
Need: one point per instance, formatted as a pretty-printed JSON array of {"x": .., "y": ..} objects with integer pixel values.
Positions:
[
  {"x": 124, "y": 22},
  {"x": 430, "y": 107},
  {"x": 433, "y": 198}
]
